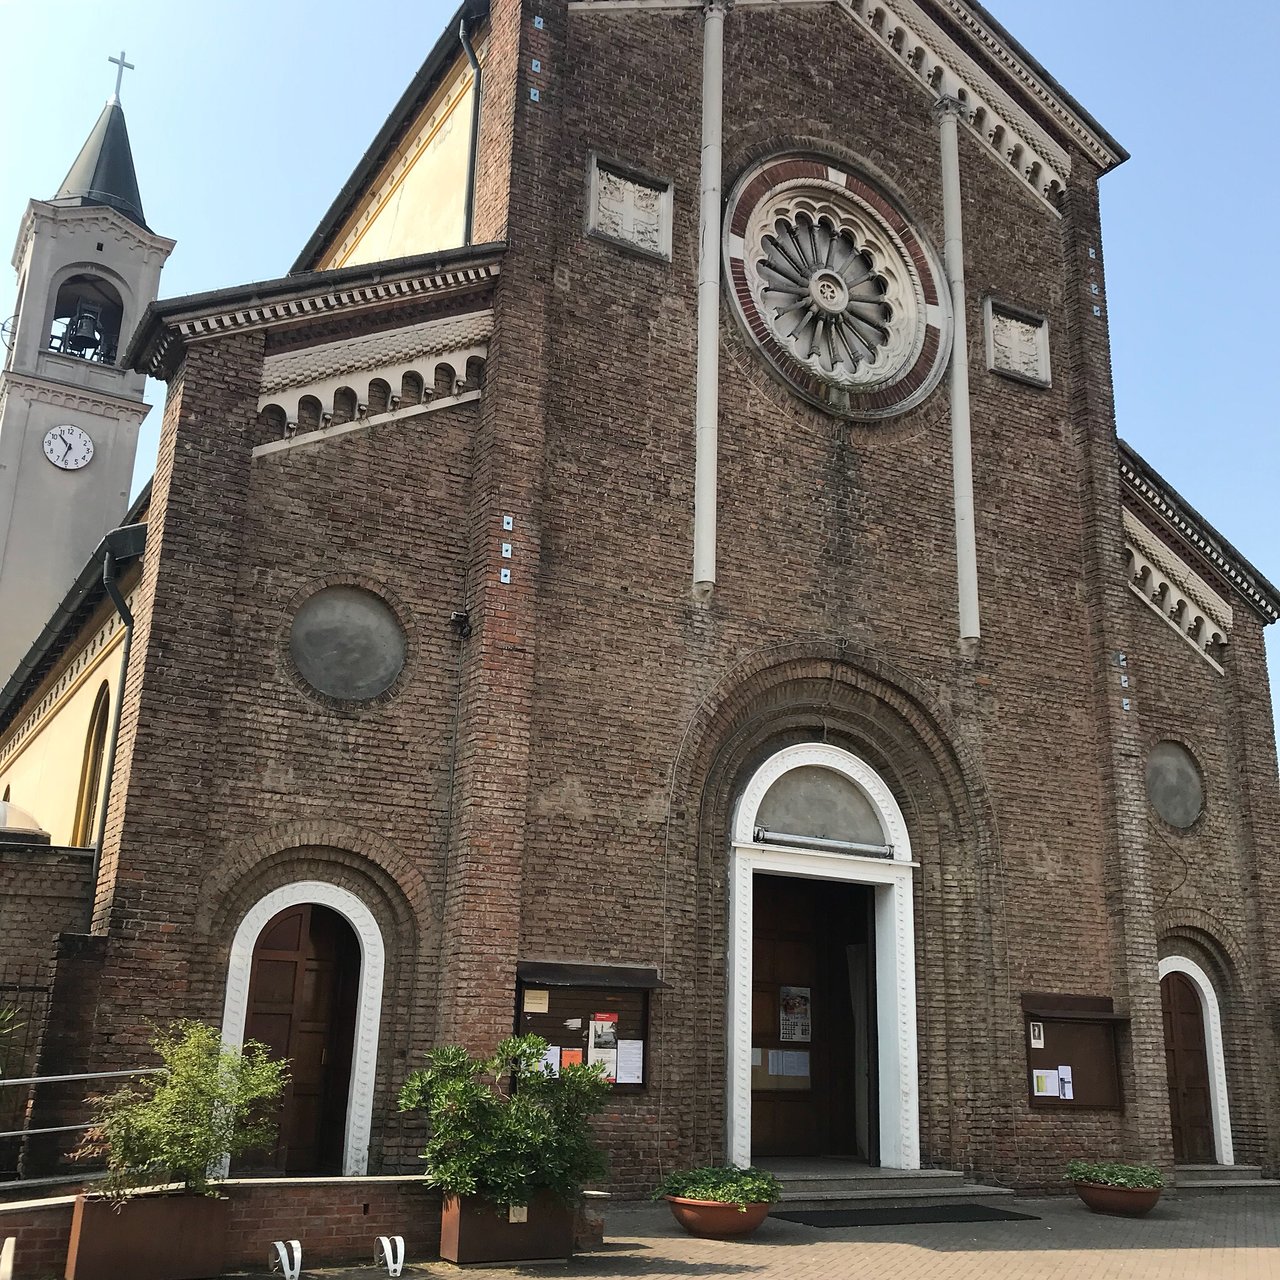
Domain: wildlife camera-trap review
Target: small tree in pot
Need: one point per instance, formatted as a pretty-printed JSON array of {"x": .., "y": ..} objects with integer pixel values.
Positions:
[
  {"x": 176, "y": 1126},
  {"x": 510, "y": 1148}
]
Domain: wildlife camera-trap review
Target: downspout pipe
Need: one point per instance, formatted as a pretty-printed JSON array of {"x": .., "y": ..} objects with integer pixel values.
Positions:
[
  {"x": 125, "y": 543},
  {"x": 949, "y": 109},
  {"x": 707, "y": 406},
  {"x": 468, "y": 217}
]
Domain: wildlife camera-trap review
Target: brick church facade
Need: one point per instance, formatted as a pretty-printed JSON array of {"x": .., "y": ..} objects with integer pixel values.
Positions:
[{"x": 607, "y": 615}]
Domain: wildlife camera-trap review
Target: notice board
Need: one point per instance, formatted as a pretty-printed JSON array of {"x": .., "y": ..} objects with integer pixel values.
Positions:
[
  {"x": 1073, "y": 1060},
  {"x": 575, "y": 1022}
]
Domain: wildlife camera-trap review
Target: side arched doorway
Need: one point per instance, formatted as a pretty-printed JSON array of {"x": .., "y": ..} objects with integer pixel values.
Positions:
[
  {"x": 1199, "y": 1114},
  {"x": 303, "y": 992},
  {"x": 254, "y": 984}
]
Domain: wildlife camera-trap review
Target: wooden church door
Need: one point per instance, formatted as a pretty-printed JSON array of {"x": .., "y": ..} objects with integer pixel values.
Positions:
[
  {"x": 1188, "y": 1067},
  {"x": 302, "y": 1005}
]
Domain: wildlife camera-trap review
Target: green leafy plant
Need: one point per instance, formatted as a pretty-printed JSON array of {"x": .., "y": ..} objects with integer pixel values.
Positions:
[
  {"x": 177, "y": 1125},
  {"x": 505, "y": 1127},
  {"x": 1112, "y": 1174},
  {"x": 722, "y": 1184}
]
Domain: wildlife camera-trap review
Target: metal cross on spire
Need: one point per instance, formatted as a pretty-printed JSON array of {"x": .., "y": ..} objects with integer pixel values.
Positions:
[{"x": 121, "y": 67}]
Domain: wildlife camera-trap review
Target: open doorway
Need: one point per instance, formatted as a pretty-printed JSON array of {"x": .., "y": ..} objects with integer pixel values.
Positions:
[{"x": 813, "y": 1050}]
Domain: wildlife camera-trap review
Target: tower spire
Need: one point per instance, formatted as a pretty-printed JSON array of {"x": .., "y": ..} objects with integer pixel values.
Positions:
[{"x": 103, "y": 172}]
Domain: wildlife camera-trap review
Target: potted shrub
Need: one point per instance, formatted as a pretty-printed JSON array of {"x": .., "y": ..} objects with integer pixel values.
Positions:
[
  {"x": 1127, "y": 1189},
  {"x": 510, "y": 1148},
  {"x": 174, "y": 1127},
  {"x": 719, "y": 1201}
]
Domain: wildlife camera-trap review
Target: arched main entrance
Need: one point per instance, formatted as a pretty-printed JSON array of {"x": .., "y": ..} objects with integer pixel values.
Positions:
[
  {"x": 822, "y": 964},
  {"x": 1199, "y": 1114},
  {"x": 268, "y": 996}
]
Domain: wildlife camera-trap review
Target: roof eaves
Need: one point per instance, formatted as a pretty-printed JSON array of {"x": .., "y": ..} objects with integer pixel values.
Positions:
[
  {"x": 443, "y": 54},
  {"x": 85, "y": 595},
  {"x": 1182, "y": 519},
  {"x": 148, "y": 346},
  {"x": 1046, "y": 79}
]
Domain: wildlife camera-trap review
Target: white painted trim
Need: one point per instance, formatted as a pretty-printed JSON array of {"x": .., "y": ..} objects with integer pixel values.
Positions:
[
  {"x": 1218, "y": 1102},
  {"x": 824, "y": 756},
  {"x": 364, "y": 1059},
  {"x": 891, "y": 879}
]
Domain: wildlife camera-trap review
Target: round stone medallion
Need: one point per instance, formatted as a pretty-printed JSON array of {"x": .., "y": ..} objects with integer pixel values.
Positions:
[
  {"x": 840, "y": 296},
  {"x": 347, "y": 643},
  {"x": 1175, "y": 786}
]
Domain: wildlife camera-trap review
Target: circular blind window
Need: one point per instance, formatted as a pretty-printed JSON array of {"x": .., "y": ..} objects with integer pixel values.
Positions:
[
  {"x": 1174, "y": 785},
  {"x": 347, "y": 643}
]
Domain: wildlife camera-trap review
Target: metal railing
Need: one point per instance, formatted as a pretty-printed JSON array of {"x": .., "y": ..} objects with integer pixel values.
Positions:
[{"x": 68, "y": 1079}]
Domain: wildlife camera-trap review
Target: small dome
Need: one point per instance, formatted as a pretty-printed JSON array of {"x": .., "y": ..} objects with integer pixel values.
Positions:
[{"x": 17, "y": 826}]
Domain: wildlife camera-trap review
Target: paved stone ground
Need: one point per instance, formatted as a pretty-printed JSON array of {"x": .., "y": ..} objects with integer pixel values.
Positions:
[{"x": 1203, "y": 1238}]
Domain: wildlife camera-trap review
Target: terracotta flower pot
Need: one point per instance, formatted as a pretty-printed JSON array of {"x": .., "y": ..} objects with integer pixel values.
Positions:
[
  {"x": 473, "y": 1229},
  {"x": 1128, "y": 1202},
  {"x": 715, "y": 1220},
  {"x": 150, "y": 1237}
]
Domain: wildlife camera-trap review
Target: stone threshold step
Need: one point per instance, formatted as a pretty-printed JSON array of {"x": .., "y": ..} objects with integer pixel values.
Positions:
[
  {"x": 892, "y": 1195},
  {"x": 1224, "y": 1186}
]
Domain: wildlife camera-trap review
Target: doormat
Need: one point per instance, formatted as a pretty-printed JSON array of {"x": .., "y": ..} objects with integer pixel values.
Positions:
[{"x": 903, "y": 1216}]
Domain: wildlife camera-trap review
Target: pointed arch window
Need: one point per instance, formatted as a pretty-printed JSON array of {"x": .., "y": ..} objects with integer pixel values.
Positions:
[{"x": 91, "y": 774}]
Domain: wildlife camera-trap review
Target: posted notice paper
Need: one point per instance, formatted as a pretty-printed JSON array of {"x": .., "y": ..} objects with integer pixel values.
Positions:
[
  {"x": 1045, "y": 1083},
  {"x": 630, "y": 1062},
  {"x": 602, "y": 1043}
]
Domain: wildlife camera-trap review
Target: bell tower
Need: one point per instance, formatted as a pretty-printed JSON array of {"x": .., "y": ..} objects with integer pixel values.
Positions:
[{"x": 87, "y": 267}]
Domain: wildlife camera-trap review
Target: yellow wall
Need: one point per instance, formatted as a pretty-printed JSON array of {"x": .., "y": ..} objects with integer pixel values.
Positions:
[
  {"x": 417, "y": 203},
  {"x": 43, "y": 772}
]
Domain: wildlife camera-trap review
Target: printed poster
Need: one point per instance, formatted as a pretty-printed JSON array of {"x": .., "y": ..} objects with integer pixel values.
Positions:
[
  {"x": 1066, "y": 1086},
  {"x": 570, "y": 1058},
  {"x": 602, "y": 1043},
  {"x": 551, "y": 1060},
  {"x": 795, "y": 1006},
  {"x": 1045, "y": 1083},
  {"x": 630, "y": 1062}
]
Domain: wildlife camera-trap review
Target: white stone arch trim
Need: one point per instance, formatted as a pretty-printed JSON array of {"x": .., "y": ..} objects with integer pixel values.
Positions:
[
  {"x": 1218, "y": 1101},
  {"x": 824, "y": 756},
  {"x": 364, "y": 1058},
  {"x": 892, "y": 881}
]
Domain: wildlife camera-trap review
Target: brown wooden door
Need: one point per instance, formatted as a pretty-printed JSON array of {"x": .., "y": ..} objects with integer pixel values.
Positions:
[
  {"x": 302, "y": 1002},
  {"x": 804, "y": 1087},
  {"x": 1188, "y": 1067}
]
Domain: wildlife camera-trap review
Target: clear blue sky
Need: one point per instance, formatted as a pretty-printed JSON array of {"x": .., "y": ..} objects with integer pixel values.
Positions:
[{"x": 246, "y": 118}]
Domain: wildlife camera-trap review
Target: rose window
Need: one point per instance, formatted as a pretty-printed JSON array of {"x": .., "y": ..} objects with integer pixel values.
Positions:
[{"x": 835, "y": 289}]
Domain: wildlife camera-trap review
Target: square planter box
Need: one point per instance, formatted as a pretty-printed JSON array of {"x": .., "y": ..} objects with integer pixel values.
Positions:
[
  {"x": 474, "y": 1230},
  {"x": 156, "y": 1237}
]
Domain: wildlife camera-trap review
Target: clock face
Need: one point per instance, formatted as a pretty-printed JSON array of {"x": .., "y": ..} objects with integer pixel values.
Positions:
[{"x": 68, "y": 447}]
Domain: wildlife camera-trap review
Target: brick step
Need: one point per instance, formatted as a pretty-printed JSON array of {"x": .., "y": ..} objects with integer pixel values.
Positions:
[{"x": 1189, "y": 1173}]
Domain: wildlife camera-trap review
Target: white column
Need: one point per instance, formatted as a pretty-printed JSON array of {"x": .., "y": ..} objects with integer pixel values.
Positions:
[
  {"x": 961, "y": 441},
  {"x": 707, "y": 412}
]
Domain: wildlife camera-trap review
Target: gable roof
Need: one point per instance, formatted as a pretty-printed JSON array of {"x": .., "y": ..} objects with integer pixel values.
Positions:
[
  {"x": 446, "y": 51},
  {"x": 1170, "y": 511}
]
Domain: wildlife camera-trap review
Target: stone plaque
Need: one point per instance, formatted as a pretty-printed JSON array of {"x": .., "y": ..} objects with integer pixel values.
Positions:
[{"x": 1017, "y": 344}]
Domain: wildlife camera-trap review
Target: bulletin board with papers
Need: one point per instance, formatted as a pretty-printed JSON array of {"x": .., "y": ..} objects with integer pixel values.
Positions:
[{"x": 590, "y": 1024}]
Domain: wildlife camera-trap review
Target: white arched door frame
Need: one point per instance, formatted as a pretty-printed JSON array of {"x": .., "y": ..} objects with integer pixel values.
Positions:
[
  {"x": 1219, "y": 1104},
  {"x": 891, "y": 878},
  {"x": 364, "y": 1057}
]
